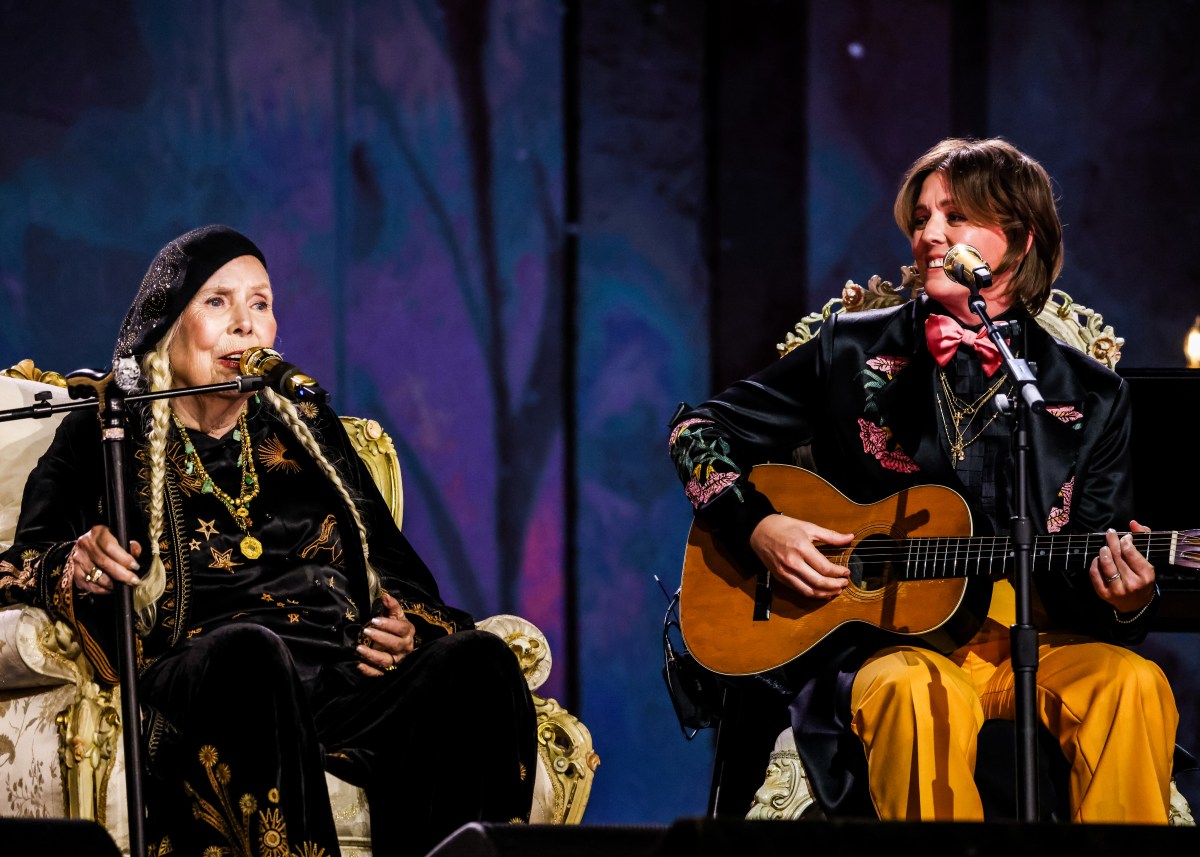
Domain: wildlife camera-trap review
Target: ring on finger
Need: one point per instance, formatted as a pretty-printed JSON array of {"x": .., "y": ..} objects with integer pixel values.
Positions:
[
  {"x": 1111, "y": 579},
  {"x": 94, "y": 575},
  {"x": 388, "y": 668}
]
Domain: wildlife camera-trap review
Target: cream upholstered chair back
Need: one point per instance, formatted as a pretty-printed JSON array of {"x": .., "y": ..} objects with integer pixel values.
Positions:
[{"x": 61, "y": 753}]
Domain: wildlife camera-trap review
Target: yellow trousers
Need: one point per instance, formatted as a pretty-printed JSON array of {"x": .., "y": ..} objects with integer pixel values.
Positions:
[{"x": 918, "y": 714}]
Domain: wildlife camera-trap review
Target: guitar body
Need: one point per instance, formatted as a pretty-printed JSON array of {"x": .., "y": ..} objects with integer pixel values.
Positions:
[{"x": 718, "y": 591}]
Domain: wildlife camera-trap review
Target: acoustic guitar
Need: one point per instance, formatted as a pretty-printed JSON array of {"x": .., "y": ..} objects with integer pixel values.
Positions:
[{"x": 915, "y": 571}]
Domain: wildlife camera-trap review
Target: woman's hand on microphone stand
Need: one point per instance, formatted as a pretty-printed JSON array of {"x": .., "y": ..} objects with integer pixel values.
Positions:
[{"x": 98, "y": 559}]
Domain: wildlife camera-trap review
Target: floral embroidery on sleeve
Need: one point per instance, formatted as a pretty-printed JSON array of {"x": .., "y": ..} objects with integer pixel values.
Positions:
[
  {"x": 1059, "y": 516},
  {"x": 702, "y": 458},
  {"x": 21, "y": 579}
]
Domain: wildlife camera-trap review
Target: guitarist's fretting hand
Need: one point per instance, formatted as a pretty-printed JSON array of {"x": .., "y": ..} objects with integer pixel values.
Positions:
[
  {"x": 785, "y": 546},
  {"x": 1121, "y": 575}
]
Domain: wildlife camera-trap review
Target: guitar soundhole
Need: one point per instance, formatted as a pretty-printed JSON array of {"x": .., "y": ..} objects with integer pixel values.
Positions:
[{"x": 872, "y": 562}]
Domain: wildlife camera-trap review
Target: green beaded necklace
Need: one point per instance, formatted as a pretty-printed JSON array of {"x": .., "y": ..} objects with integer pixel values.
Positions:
[{"x": 239, "y": 508}]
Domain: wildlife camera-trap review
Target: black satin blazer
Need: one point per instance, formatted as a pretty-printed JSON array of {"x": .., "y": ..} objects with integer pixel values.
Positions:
[{"x": 862, "y": 394}]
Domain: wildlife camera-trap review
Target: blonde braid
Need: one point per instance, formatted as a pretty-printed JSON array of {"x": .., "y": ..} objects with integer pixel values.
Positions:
[
  {"x": 156, "y": 366},
  {"x": 293, "y": 420}
]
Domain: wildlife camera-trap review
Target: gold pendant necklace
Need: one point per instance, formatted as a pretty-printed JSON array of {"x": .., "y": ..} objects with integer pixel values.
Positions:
[
  {"x": 238, "y": 507},
  {"x": 959, "y": 411}
]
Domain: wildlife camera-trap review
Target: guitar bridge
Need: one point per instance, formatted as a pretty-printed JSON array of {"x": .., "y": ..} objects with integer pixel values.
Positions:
[{"x": 762, "y": 597}]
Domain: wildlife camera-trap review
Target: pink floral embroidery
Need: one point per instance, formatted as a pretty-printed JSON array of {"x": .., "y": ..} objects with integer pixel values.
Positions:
[
  {"x": 1060, "y": 516},
  {"x": 1064, "y": 413},
  {"x": 701, "y": 492},
  {"x": 679, "y": 429},
  {"x": 888, "y": 365},
  {"x": 875, "y": 440}
]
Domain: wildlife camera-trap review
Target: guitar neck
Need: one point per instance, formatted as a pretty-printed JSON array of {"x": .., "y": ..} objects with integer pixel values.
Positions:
[{"x": 995, "y": 556}]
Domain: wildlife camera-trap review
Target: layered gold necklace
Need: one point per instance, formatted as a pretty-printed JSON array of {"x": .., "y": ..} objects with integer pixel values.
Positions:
[
  {"x": 963, "y": 414},
  {"x": 239, "y": 507}
]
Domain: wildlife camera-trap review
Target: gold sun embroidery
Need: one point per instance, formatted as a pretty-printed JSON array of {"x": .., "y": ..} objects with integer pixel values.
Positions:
[
  {"x": 223, "y": 559},
  {"x": 208, "y": 529},
  {"x": 308, "y": 410},
  {"x": 273, "y": 454},
  {"x": 189, "y": 483}
]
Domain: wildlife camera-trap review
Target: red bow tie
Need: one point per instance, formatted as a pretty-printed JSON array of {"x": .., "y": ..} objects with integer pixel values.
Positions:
[{"x": 944, "y": 335}]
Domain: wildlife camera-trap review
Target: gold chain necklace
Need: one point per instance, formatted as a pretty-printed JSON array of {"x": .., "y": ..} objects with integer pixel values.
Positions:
[
  {"x": 238, "y": 507},
  {"x": 960, "y": 411}
]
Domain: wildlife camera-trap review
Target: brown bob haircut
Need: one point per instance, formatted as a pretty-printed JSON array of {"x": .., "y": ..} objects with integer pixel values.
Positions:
[{"x": 994, "y": 182}]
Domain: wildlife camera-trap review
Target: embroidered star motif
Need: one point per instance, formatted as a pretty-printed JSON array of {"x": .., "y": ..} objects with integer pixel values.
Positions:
[
  {"x": 223, "y": 559},
  {"x": 194, "y": 545},
  {"x": 293, "y": 618},
  {"x": 331, "y": 582},
  {"x": 266, "y": 596},
  {"x": 207, "y": 529}
]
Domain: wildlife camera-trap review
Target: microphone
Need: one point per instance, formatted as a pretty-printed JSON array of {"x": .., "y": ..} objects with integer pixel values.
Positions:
[
  {"x": 282, "y": 377},
  {"x": 965, "y": 266}
]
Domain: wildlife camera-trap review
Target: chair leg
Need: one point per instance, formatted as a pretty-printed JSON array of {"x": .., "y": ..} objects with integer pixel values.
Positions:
[
  {"x": 88, "y": 732},
  {"x": 746, "y": 734}
]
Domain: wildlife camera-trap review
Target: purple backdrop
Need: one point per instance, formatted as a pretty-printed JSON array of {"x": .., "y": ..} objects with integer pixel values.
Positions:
[{"x": 404, "y": 167}]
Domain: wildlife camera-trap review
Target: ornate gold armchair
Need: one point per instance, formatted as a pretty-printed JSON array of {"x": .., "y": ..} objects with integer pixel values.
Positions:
[
  {"x": 786, "y": 792},
  {"x": 61, "y": 753}
]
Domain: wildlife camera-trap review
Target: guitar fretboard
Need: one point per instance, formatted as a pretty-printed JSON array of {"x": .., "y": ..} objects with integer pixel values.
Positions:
[{"x": 993, "y": 556}]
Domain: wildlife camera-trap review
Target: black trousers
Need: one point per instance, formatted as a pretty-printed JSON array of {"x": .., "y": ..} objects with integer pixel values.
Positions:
[{"x": 238, "y": 746}]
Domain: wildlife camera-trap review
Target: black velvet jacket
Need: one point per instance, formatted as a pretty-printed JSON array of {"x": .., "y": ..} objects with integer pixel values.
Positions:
[{"x": 310, "y": 586}]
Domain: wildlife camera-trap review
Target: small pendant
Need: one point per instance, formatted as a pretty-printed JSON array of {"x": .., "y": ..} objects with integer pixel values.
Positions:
[
  {"x": 251, "y": 547},
  {"x": 956, "y": 451}
]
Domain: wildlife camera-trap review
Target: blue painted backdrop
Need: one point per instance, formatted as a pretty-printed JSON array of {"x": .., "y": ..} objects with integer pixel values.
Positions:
[{"x": 404, "y": 166}]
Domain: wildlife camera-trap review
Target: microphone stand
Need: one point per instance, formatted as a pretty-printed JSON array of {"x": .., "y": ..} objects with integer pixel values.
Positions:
[
  {"x": 83, "y": 386},
  {"x": 1023, "y": 634}
]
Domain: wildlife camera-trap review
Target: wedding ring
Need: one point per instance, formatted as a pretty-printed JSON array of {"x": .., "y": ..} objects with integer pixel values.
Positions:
[
  {"x": 1114, "y": 577},
  {"x": 389, "y": 668}
]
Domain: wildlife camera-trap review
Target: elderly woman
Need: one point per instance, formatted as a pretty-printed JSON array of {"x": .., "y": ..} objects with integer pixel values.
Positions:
[{"x": 286, "y": 627}]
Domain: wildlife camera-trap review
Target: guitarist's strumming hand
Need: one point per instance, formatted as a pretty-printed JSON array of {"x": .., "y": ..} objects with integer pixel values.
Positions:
[
  {"x": 785, "y": 546},
  {"x": 1121, "y": 575}
]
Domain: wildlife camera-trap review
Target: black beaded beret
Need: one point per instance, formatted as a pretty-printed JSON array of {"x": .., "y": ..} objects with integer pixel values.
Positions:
[{"x": 174, "y": 277}]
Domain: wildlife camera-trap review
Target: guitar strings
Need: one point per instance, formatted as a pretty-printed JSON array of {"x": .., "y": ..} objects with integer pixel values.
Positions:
[{"x": 965, "y": 550}]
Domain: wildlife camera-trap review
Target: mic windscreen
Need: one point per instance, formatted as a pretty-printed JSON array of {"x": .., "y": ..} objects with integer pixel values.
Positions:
[
  {"x": 258, "y": 360},
  {"x": 966, "y": 266}
]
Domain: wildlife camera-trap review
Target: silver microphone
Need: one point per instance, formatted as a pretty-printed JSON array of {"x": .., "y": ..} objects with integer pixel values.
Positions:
[
  {"x": 282, "y": 377},
  {"x": 964, "y": 264}
]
